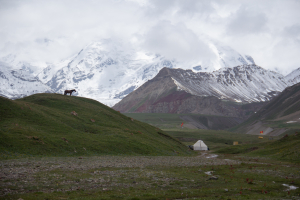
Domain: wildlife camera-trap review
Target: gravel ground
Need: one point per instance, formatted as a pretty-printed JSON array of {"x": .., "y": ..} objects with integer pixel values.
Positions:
[{"x": 40, "y": 174}]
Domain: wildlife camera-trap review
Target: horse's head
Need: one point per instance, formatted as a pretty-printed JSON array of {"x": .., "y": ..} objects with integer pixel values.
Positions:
[{"x": 74, "y": 90}]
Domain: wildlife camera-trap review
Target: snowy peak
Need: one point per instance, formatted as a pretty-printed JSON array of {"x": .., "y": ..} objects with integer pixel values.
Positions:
[
  {"x": 183, "y": 91},
  {"x": 228, "y": 57},
  {"x": 104, "y": 71},
  {"x": 293, "y": 77},
  {"x": 107, "y": 70},
  {"x": 19, "y": 83},
  {"x": 246, "y": 83}
]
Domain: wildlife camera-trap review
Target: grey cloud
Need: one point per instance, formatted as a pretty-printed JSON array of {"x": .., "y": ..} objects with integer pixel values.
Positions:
[
  {"x": 266, "y": 30},
  {"x": 292, "y": 31},
  {"x": 176, "y": 41},
  {"x": 69, "y": 24},
  {"x": 188, "y": 8},
  {"x": 247, "y": 21}
]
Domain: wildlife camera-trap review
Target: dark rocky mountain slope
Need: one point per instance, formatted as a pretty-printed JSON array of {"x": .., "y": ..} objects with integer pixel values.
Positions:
[
  {"x": 280, "y": 115},
  {"x": 162, "y": 95}
]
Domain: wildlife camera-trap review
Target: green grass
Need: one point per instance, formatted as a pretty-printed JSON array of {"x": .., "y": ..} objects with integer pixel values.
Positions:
[
  {"x": 36, "y": 125},
  {"x": 242, "y": 181},
  {"x": 286, "y": 149},
  {"x": 222, "y": 141},
  {"x": 214, "y": 139},
  {"x": 263, "y": 165},
  {"x": 283, "y": 124},
  {"x": 279, "y": 148}
]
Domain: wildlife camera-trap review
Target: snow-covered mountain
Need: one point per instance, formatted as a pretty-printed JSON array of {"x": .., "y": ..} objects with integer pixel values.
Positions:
[
  {"x": 245, "y": 83},
  {"x": 184, "y": 91},
  {"x": 107, "y": 71},
  {"x": 19, "y": 83},
  {"x": 293, "y": 77}
]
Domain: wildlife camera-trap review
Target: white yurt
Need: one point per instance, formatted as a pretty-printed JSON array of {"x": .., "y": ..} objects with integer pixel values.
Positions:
[{"x": 199, "y": 145}]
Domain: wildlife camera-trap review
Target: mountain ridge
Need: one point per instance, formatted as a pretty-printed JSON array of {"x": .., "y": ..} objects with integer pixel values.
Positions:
[
  {"x": 107, "y": 70},
  {"x": 280, "y": 115},
  {"x": 162, "y": 95},
  {"x": 17, "y": 83}
]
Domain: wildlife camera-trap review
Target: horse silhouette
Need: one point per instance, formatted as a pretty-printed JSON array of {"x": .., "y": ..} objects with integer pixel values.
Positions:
[{"x": 69, "y": 91}]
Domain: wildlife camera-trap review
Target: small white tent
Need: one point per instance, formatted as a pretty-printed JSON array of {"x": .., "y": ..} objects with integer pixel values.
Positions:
[{"x": 199, "y": 145}]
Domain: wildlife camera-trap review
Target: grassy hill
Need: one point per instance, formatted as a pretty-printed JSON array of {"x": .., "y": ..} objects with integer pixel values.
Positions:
[
  {"x": 287, "y": 149},
  {"x": 42, "y": 124},
  {"x": 214, "y": 139}
]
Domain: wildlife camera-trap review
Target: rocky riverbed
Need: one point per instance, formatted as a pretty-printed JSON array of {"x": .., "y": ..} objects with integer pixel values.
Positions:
[{"x": 104, "y": 172}]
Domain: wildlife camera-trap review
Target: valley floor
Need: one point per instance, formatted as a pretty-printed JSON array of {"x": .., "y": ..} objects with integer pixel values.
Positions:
[{"x": 148, "y": 177}]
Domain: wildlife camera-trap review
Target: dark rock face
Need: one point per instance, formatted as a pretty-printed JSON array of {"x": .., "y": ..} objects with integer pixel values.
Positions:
[
  {"x": 161, "y": 95},
  {"x": 247, "y": 83},
  {"x": 181, "y": 102},
  {"x": 250, "y": 59},
  {"x": 210, "y": 121},
  {"x": 198, "y": 68},
  {"x": 286, "y": 103},
  {"x": 277, "y": 116}
]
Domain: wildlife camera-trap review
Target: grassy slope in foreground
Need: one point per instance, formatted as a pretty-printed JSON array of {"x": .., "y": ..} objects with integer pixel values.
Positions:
[{"x": 35, "y": 125}]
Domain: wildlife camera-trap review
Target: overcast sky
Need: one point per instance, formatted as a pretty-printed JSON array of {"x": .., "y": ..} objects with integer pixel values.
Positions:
[{"x": 268, "y": 30}]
